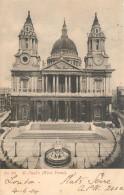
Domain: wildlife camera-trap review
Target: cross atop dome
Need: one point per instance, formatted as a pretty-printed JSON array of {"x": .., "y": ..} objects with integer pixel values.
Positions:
[{"x": 64, "y": 30}]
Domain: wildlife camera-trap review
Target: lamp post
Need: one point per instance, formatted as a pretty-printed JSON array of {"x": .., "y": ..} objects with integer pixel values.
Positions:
[
  {"x": 84, "y": 163},
  {"x": 99, "y": 151},
  {"x": 75, "y": 150},
  {"x": 40, "y": 149},
  {"x": 27, "y": 162},
  {"x": 15, "y": 149}
]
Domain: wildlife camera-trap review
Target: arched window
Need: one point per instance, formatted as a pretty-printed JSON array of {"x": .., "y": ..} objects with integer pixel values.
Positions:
[
  {"x": 97, "y": 30},
  {"x": 26, "y": 43},
  {"x": 97, "y": 44}
]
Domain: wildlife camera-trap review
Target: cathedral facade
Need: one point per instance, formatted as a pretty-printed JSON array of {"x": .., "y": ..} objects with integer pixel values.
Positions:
[{"x": 62, "y": 89}]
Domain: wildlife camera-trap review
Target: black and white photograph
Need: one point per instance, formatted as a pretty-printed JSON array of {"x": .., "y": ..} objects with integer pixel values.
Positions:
[{"x": 61, "y": 85}]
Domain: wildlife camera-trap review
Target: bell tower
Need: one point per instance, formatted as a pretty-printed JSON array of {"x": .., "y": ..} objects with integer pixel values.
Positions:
[
  {"x": 96, "y": 56},
  {"x": 27, "y": 38},
  {"x": 27, "y": 56}
]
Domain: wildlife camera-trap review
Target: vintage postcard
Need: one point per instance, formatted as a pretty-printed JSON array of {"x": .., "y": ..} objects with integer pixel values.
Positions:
[{"x": 61, "y": 97}]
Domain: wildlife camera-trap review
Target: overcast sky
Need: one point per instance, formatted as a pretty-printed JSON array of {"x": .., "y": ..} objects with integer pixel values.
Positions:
[{"x": 48, "y": 16}]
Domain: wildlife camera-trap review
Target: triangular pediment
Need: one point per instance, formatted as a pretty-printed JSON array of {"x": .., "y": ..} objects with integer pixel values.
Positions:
[{"x": 61, "y": 66}]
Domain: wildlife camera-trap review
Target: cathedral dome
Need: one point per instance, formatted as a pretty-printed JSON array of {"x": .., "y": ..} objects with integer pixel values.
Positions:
[{"x": 64, "y": 43}]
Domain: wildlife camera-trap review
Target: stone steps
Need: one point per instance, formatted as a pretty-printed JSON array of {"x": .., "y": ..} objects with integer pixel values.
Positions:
[
  {"x": 60, "y": 126},
  {"x": 85, "y": 136}
]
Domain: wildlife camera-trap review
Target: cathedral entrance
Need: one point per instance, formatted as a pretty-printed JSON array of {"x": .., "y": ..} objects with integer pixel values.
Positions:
[
  {"x": 73, "y": 84},
  {"x": 98, "y": 113},
  {"x": 50, "y": 105},
  {"x": 83, "y": 111},
  {"x": 50, "y": 83},
  {"x": 73, "y": 109},
  {"x": 62, "y": 110},
  {"x": 39, "y": 111}
]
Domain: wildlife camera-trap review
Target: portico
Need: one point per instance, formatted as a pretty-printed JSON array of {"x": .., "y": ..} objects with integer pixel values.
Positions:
[
  {"x": 61, "y": 83},
  {"x": 55, "y": 110}
]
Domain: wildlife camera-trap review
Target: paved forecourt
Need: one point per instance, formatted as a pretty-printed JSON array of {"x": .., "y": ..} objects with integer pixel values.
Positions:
[{"x": 87, "y": 145}]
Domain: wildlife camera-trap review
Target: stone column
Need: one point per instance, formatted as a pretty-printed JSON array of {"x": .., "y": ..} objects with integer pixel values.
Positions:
[
  {"x": 91, "y": 85},
  {"x": 80, "y": 84},
  {"x": 42, "y": 111},
  {"x": 21, "y": 86},
  {"x": 79, "y": 111},
  {"x": 104, "y": 85},
  {"x": 69, "y": 111},
  {"x": 87, "y": 84},
  {"x": 35, "y": 110},
  {"x": 32, "y": 83},
  {"x": 53, "y": 83},
  {"x": 76, "y": 84},
  {"x": 13, "y": 83},
  {"x": 53, "y": 117},
  {"x": 76, "y": 111},
  {"x": 95, "y": 88},
  {"x": 110, "y": 108},
  {"x": 17, "y": 84},
  {"x": 42, "y": 83},
  {"x": 69, "y": 84},
  {"x": 57, "y": 83},
  {"x": 57, "y": 111},
  {"x": 110, "y": 85},
  {"x": 45, "y": 111},
  {"x": 66, "y": 112},
  {"x": 28, "y": 86},
  {"x": 31, "y": 111},
  {"x": 46, "y": 83},
  {"x": 65, "y": 83},
  {"x": 36, "y": 84}
]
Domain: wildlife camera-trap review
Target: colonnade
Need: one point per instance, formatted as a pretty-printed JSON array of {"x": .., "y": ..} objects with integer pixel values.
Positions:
[
  {"x": 55, "y": 111},
  {"x": 82, "y": 85},
  {"x": 56, "y": 83}
]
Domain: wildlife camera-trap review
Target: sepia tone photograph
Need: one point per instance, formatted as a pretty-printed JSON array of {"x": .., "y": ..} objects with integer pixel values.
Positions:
[{"x": 61, "y": 84}]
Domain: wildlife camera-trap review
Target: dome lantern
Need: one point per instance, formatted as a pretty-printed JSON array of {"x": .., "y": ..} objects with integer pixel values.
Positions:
[
  {"x": 64, "y": 31},
  {"x": 64, "y": 43}
]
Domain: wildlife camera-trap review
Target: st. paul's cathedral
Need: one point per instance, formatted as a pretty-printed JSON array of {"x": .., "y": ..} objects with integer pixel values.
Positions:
[{"x": 62, "y": 89}]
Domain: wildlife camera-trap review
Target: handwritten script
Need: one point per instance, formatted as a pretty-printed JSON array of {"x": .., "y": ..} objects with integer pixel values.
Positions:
[
  {"x": 98, "y": 183},
  {"x": 21, "y": 186},
  {"x": 30, "y": 182}
]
